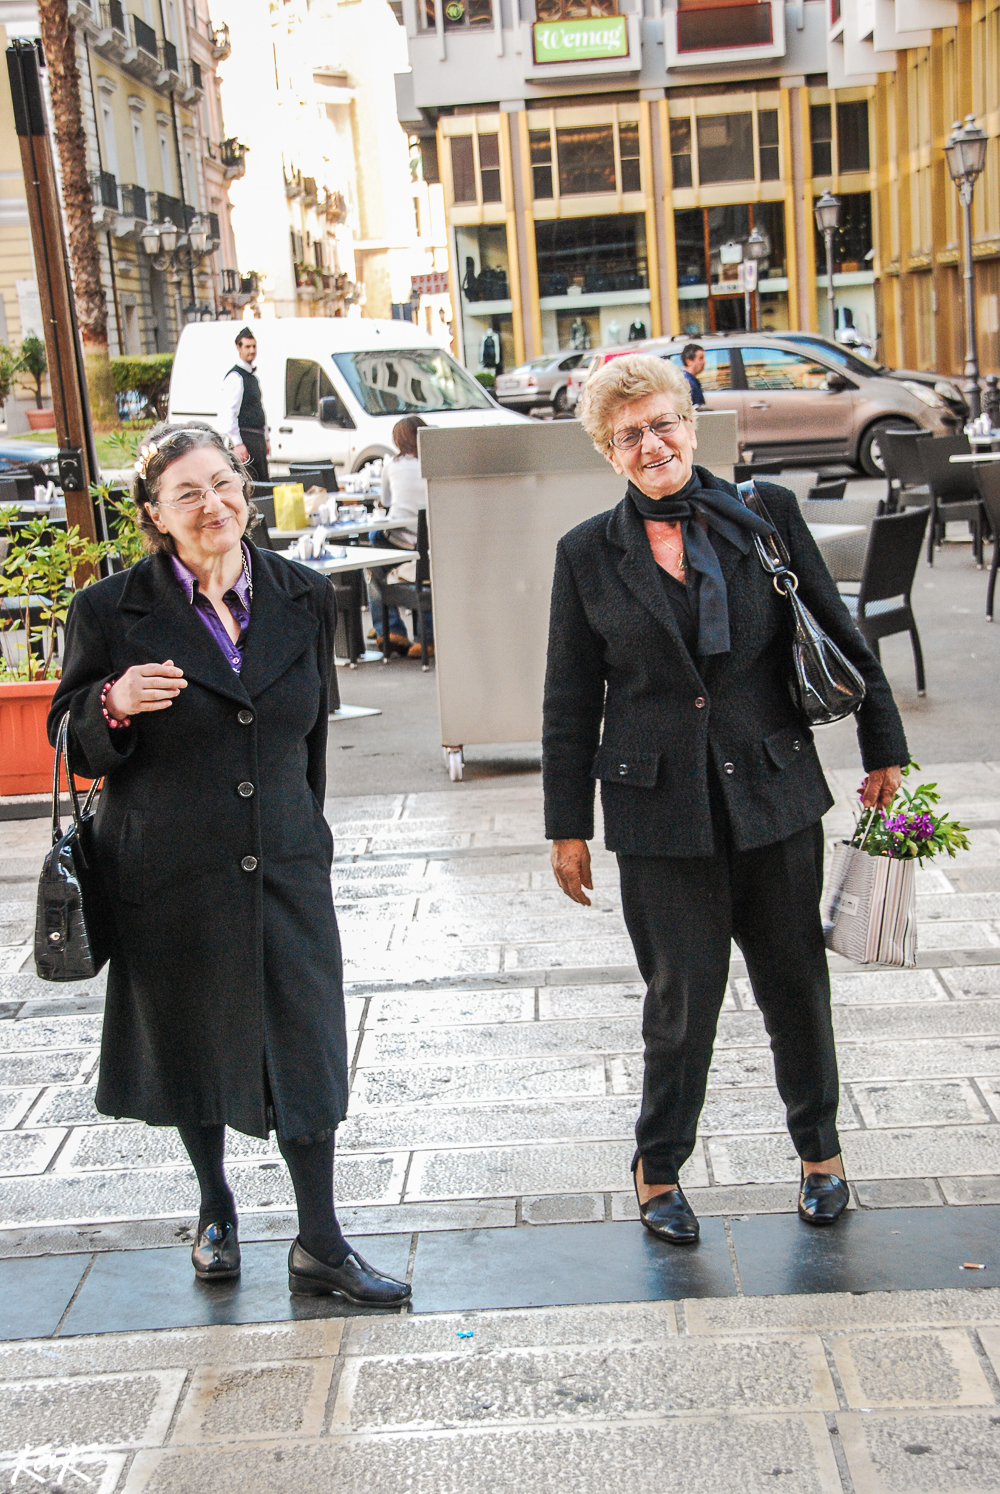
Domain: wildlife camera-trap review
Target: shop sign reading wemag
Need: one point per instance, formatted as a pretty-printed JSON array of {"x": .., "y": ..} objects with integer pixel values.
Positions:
[{"x": 577, "y": 41}]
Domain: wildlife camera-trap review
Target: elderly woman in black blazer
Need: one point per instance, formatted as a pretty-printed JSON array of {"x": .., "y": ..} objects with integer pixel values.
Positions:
[
  {"x": 665, "y": 626},
  {"x": 197, "y": 685}
]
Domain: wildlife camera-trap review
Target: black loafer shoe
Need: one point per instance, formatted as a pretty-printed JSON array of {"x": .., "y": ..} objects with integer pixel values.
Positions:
[
  {"x": 670, "y": 1217},
  {"x": 823, "y": 1197},
  {"x": 215, "y": 1254},
  {"x": 353, "y": 1279}
]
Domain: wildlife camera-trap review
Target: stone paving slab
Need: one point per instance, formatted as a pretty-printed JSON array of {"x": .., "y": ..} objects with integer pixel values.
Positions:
[
  {"x": 913, "y": 1152},
  {"x": 515, "y": 1079},
  {"x": 916, "y": 1453},
  {"x": 99, "y": 1411},
  {"x": 514, "y": 1170},
  {"x": 931, "y": 1368}
]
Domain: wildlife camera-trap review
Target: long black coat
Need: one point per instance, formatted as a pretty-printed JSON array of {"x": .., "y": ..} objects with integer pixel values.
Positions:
[
  {"x": 226, "y": 975},
  {"x": 615, "y": 652}
]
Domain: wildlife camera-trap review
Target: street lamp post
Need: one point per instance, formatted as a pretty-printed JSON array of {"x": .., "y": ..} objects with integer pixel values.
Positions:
[
  {"x": 176, "y": 253},
  {"x": 965, "y": 153},
  {"x": 756, "y": 249},
  {"x": 827, "y": 221}
]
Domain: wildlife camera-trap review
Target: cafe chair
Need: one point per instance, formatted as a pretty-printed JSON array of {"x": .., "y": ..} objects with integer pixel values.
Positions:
[
  {"x": 882, "y": 605},
  {"x": 825, "y": 492},
  {"x": 845, "y": 557},
  {"x": 954, "y": 491},
  {"x": 415, "y": 595},
  {"x": 904, "y": 472},
  {"x": 988, "y": 474}
]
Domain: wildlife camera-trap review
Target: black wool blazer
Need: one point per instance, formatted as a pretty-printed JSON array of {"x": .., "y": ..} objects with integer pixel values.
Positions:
[
  {"x": 225, "y": 998},
  {"x": 615, "y": 655}
]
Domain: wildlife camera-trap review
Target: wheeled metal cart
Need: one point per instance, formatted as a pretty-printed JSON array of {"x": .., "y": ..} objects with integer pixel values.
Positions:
[{"x": 499, "y": 499}]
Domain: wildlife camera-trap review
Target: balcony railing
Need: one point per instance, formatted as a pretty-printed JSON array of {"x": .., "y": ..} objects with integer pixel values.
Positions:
[
  {"x": 163, "y": 206},
  {"x": 232, "y": 154},
  {"x": 169, "y": 56},
  {"x": 221, "y": 45},
  {"x": 145, "y": 37},
  {"x": 105, "y": 189},
  {"x": 134, "y": 203},
  {"x": 308, "y": 191}
]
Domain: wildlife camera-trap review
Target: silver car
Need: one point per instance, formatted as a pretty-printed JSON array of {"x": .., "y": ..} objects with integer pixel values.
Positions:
[{"x": 541, "y": 382}]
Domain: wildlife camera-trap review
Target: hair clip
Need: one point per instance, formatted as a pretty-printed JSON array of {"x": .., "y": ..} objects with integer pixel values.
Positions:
[{"x": 144, "y": 458}]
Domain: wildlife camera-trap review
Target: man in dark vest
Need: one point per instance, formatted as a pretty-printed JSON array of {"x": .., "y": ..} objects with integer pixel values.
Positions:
[{"x": 242, "y": 409}]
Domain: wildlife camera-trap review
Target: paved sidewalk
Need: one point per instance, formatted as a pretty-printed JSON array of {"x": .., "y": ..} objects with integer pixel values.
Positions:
[{"x": 495, "y": 1078}]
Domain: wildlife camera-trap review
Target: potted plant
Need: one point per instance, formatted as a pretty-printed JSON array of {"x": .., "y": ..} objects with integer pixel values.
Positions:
[
  {"x": 39, "y": 572},
  {"x": 33, "y": 363},
  {"x": 10, "y": 367}
]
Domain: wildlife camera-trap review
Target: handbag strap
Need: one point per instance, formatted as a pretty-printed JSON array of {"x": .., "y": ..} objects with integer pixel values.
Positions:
[
  {"x": 62, "y": 752},
  {"x": 770, "y": 548}
]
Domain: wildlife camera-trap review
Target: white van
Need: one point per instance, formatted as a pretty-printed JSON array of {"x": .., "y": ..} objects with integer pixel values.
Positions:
[{"x": 369, "y": 373}]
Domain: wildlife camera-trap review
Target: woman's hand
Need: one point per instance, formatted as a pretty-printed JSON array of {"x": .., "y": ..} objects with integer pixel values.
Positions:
[
  {"x": 880, "y": 787},
  {"x": 571, "y": 864},
  {"x": 145, "y": 687}
]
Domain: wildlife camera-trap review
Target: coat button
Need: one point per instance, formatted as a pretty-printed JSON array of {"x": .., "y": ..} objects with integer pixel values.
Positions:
[
  {"x": 699, "y": 704},
  {"x": 244, "y": 717},
  {"x": 796, "y": 746},
  {"x": 249, "y": 863},
  {"x": 728, "y": 768},
  {"x": 622, "y": 770},
  {"x": 245, "y": 790}
]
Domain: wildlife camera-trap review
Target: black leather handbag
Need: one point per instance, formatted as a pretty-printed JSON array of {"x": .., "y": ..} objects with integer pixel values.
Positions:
[
  {"x": 824, "y": 684},
  {"x": 72, "y": 920}
]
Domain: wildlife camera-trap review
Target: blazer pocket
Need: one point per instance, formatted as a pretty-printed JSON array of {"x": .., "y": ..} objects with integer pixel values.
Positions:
[
  {"x": 130, "y": 856},
  {"x": 631, "y": 769},
  {"x": 788, "y": 746}
]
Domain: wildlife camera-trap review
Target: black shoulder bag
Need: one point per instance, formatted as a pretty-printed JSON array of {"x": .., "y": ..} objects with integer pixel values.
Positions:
[
  {"x": 824, "y": 684},
  {"x": 72, "y": 918}
]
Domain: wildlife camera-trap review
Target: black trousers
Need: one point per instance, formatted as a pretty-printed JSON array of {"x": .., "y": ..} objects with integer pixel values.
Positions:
[
  {"x": 681, "y": 914},
  {"x": 256, "y": 445}
]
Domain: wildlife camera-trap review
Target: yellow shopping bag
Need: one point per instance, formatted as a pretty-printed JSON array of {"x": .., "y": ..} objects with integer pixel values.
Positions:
[{"x": 290, "y": 505}]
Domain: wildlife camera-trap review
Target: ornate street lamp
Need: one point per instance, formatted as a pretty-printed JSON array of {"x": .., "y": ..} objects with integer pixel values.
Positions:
[
  {"x": 176, "y": 254},
  {"x": 756, "y": 248},
  {"x": 965, "y": 153},
  {"x": 828, "y": 221}
]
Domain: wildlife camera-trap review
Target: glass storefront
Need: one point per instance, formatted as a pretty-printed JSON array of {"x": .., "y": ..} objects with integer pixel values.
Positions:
[
  {"x": 709, "y": 244},
  {"x": 484, "y": 275}
]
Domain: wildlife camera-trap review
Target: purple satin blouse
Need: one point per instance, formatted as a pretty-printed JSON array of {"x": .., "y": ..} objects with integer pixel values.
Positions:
[{"x": 237, "y": 599}]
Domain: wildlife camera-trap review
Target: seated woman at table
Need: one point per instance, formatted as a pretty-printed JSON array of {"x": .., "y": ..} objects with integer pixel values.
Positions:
[{"x": 404, "y": 494}]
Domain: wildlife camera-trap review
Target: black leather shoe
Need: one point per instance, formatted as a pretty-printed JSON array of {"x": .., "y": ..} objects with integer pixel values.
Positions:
[
  {"x": 670, "y": 1217},
  {"x": 215, "y": 1254},
  {"x": 353, "y": 1279},
  {"x": 823, "y": 1197}
]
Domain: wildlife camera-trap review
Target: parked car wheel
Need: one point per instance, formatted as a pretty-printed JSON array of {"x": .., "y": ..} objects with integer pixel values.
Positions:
[
  {"x": 559, "y": 401},
  {"x": 869, "y": 455}
]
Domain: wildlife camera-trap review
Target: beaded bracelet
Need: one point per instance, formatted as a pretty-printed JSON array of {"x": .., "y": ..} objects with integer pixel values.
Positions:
[{"x": 126, "y": 721}]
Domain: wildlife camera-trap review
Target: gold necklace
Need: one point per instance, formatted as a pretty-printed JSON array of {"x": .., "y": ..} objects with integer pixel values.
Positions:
[{"x": 681, "y": 563}]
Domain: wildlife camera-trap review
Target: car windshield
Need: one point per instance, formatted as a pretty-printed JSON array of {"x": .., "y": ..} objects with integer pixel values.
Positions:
[
  {"x": 410, "y": 381},
  {"x": 854, "y": 361}
]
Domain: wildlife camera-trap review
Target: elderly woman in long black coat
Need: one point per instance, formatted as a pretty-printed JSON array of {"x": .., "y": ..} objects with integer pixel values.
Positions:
[
  {"x": 668, "y": 669},
  {"x": 197, "y": 685}
]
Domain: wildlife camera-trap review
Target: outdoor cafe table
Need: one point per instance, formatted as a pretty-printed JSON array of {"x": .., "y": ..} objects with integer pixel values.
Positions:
[
  {"x": 976, "y": 456},
  {"x": 357, "y": 559},
  {"x": 351, "y": 530}
]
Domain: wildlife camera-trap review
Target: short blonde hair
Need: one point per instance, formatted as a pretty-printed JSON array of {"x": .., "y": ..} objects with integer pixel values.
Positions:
[{"x": 624, "y": 380}]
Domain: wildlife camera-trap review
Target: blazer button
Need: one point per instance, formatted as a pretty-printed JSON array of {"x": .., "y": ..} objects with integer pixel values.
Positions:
[
  {"x": 245, "y": 790},
  {"x": 622, "y": 770},
  {"x": 244, "y": 717},
  {"x": 249, "y": 863},
  {"x": 699, "y": 704},
  {"x": 728, "y": 768}
]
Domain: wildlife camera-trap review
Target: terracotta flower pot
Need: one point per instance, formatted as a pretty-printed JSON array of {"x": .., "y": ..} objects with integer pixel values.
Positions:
[
  {"x": 25, "y": 754},
  {"x": 41, "y": 420}
]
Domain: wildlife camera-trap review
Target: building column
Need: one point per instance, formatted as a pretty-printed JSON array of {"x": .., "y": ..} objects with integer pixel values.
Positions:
[
  {"x": 651, "y": 151},
  {"x": 524, "y": 279},
  {"x": 798, "y": 212}
]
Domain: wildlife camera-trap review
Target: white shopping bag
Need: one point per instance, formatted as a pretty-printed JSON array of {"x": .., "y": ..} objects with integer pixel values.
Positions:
[{"x": 869, "y": 909}]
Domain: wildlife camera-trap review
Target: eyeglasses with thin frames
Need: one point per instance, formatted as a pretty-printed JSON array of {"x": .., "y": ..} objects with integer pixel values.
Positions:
[
  {"x": 631, "y": 436},
  {"x": 225, "y": 488}
]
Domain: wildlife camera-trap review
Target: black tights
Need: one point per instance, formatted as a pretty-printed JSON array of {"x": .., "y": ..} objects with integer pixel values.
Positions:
[{"x": 311, "y": 1169}]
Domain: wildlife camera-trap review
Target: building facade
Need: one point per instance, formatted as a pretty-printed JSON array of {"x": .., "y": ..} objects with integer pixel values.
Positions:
[
  {"x": 605, "y": 161},
  {"x": 157, "y": 151},
  {"x": 332, "y": 203}
]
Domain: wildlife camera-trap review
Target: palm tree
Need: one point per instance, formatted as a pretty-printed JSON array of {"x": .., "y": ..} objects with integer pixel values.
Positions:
[{"x": 59, "y": 41}]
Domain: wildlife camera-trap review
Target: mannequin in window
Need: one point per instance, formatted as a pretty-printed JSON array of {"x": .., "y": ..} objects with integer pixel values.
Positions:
[
  {"x": 637, "y": 331},
  {"x": 579, "y": 337},
  {"x": 470, "y": 282},
  {"x": 489, "y": 352}
]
